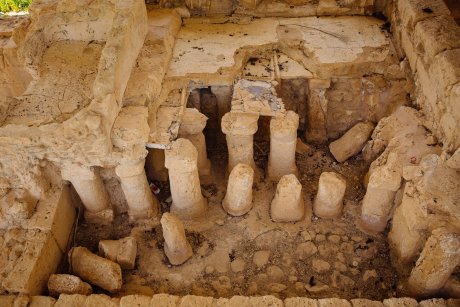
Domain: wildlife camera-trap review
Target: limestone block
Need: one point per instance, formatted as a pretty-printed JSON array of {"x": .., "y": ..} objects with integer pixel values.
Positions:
[
  {"x": 130, "y": 127},
  {"x": 360, "y": 302},
  {"x": 177, "y": 248},
  {"x": 454, "y": 161},
  {"x": 135, "y": 300},
  {"x": 288, "y": 204},
  {"x": 400, "y": 302},
  {"x": 377, "y": 204},
  {"x": 434, "y": 302},
  {"x": 238, "y": 198},
  {"x": 101, "y": 300},
  {"x": 67, "y": 284},
  {"x": 405, "y": 243},
  {"x": 329, "y": 198},
  {"x": 352, "y": 142},
  {"x": 123, "y": 251},
  {"x": 445, "y": 71},
  {"x": 300, "y": 302},
  {"x": 192, "y": 301},
  {"x": 333, "y": 302},
  {"x": 40, "y": 259},
  {"x": 164, "y": 300},
  {"x": 7, "y": 300},
  {"x": 181, "y": 161},
  {"x": 437, "y": 262},
  {"x": 94, "y": 269},
  {"x": 71, "y": 300},
  {"x": 56, "y": 213},
  {"x": 434, "y": 35},
  {"x": 413, "y": 11},
  {"x": 41, "y": 301}
]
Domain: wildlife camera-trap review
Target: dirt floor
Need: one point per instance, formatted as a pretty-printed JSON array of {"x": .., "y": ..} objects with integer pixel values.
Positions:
[{"x": 251, "y": 255}]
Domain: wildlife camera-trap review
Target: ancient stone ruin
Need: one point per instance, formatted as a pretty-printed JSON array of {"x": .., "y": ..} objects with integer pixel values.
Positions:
[{"x": 230, "y": 153}]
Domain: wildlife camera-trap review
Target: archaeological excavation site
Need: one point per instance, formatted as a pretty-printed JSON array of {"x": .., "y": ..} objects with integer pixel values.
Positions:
[{"x": 230, "y": 153}]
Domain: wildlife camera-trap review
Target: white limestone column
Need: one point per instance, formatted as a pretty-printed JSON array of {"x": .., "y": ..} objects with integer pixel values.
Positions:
[
  {"x": 238, "y": 199},
  {"x": 191, "y": 128},
  {"x": 288, "y": 204},
  {"x": 239, "y": 129},
  {"x": 283, "y": 140},
  {"x": 142, "y": 204},
  {"x": 92, "y": 192},
  {"x": 184, "y": 181},
  {"x": 176, "y": 247}
]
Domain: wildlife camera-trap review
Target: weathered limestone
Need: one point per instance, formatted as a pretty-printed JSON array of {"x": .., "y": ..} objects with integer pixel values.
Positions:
[
  {"x": 141, "y": 202},
  {"x": 155, "y": 165},
  {"x": 240, "y": 129},
  {"x": 352, "y": 142},
  {"x": 94, "y": 269},
  {"x": 177, "y": 248},
  {"x": 67, "y": 284},
  {"x": 238, "y": 199},
  {"x": 383, "y": 184},
  {"x": 316, "y": 126},
  {"x": 121, "y": 251},
  {"x": 437, "y": 262},
  {"x": 92, "y": 192},
  {"x": 329, "y": 198},
  {"x": 181, "y": 161},
  {"x": 283, "y": 141},
  {"x": 191, "y": 128},
  {"x": 288, "y": 204}
]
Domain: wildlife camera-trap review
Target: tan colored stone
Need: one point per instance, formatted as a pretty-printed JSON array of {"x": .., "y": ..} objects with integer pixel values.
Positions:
[
  {"x": 238, "y": 198},
  {"x": 177, "y": 248},
  {"x": 283, "y": 141},
  {"x": 330, "y": 302},
  {"x": 164, "y": 300},
  {"x": 413, "y": 11},
  {"x": 67, "y": 284},
  {"x": 400, "y": 302},
  {"x": 41, "y": 301},
  {"x": 288, "y": 204},
  {"x": 300, "y": 302},
  {"x": 94, "y": 269},
  {"x": 360, "y": 302},
  {"x": 181, "y": 161},
  {"x": 352, "y": 142},
  {"x": 329, "y": 198},
  {"x": 122, "y": 251},
  {"x": 135, "y": 300}
]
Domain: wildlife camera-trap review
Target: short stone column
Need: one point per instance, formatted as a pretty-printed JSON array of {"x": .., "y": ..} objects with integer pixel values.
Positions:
[
  {"x": 184, "y": 181},
  {"x": 142, "y": 204},
  {"x": 239, "y": 129},
  {"x": 176, "y": 247},
  {"x": 89, "y": 186},
  {"x": 283, "y": 140},
  {"x": 329, "y": 198},
  {"x": 155, "y": 165},
  {"x": 238, "y": 199},
  {"x": 288, "y": 204},
  {"x": 191, "y": 128}
]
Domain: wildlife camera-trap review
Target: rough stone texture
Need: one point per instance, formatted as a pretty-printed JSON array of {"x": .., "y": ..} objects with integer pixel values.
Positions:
[
  {"x": 329, "y": 198},
  {"x": 67, "y": 284},
  {"x": 177, "y": 248},
  {"x": 94, "y": 269},
  {"x": 288, "y": 204},
  {"x": 122, "y": 251},
  {"x": 238, "y": 198},
  {"x": 352, "y": 142}
]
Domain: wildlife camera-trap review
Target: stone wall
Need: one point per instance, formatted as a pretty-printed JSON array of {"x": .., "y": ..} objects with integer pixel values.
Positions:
[
  {"x": 201, "y": 301},
  {"x": 427, "y": 35}
]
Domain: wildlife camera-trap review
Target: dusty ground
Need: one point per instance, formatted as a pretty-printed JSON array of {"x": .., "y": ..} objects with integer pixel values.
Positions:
[{"x": 251, "y": 255}]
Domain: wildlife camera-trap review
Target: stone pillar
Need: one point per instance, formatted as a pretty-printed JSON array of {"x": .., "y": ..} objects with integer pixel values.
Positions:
[
  {"x": 142, "y": 204},
  {"x": 240, "y": 129},
  {"x": 92, "y": 192},
  {"x": 288, "y": 204},
  {"x": 181, "y": 161},
  {"x": 238, "y": 199},
  {"x": 155, "y": 165},
  {"x": 283, "y": 140},
  {"x": 329, "y": 198},
  {"x": 191, "y": 128},
  {"x": 438, "y": 260},
  {"x": 176, "y": 247}
]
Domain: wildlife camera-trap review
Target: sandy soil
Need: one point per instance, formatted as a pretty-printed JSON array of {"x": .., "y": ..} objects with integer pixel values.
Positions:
[{"x": 251, "y": 255}]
